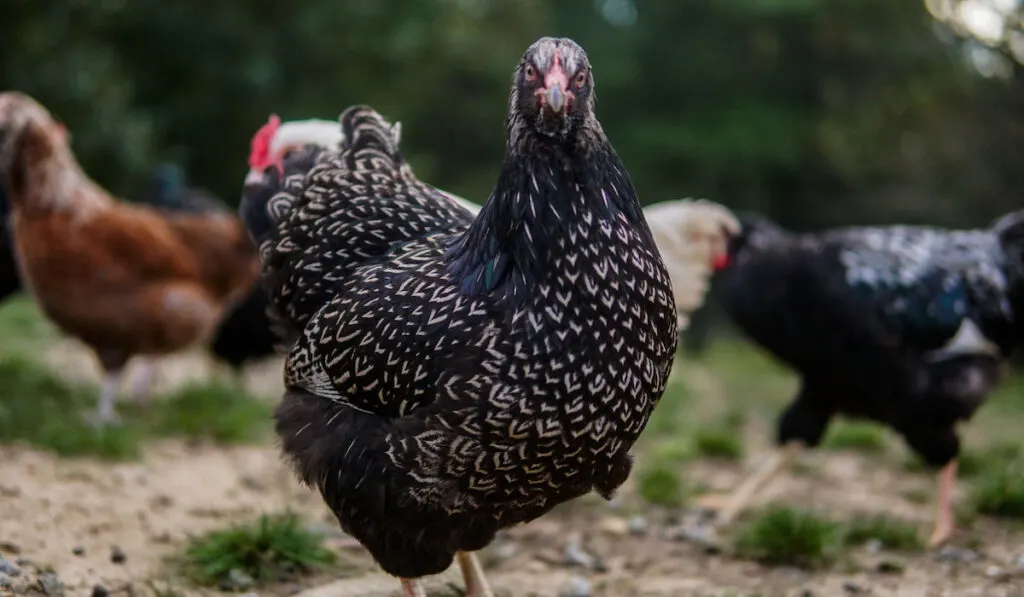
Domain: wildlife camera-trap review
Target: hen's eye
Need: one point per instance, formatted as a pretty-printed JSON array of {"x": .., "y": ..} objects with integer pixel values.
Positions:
[
  {"x": 581, "y": 78},
  {"x": 530, "y": 73}
]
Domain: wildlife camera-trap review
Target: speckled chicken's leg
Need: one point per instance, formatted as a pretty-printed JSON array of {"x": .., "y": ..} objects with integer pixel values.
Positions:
[
  {"x": 473, "y": 575},
  {"x": 412, "y": 588},
  {"x": 944, "y": 520},
  {"x": 728, "y": 507}
]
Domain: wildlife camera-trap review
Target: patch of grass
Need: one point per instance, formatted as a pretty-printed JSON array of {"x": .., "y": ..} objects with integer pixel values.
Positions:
[
  {"x": 1000, "y": 491},
  {"x": 40, "y": 409},
  {"x": 856, "y": 436},
  {"x": 670, "y": 415},
  {"x": 735, "y": 419},
  {"x": 274, "y": 548},
  {"x": 749, "y": 375},
  {"x": 917, "y": 496},
  {"x": 780, "y": 535},
  {"x": 22, "y": 326},
  {"x": 975, "y": 463},
  {"x": 723, "y": 444},
  {"x": 672, "y": 451},
  {"x": 893, "y": 533},
  {"x": 661, "y": 486},
  {"x": 164, "y": 589},
  {"x": 219, "y": 412},
  {"x": 807, "y": 469}
]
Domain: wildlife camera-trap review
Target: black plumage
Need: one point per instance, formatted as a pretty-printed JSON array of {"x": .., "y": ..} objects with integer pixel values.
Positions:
[
  {"x": 245, "y": 333},
  {"x": 903, "y": 325},
  {"x": 453, "y": 376},
  {"x": 10, "y": 280}
]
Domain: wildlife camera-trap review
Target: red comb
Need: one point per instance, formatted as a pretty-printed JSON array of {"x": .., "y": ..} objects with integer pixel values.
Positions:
[{"x": 259, "y": 156}]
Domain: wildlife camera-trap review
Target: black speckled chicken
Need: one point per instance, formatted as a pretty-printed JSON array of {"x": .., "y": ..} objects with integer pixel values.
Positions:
[
  {"x": 453, "y": 376},
  {"x": 903, "y": 325}
]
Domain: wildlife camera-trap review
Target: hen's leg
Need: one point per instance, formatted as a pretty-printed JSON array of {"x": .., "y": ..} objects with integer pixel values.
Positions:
[
  {"x": 142, "y": 386},
  {"x": 945, "y": 521},
  {"x": 105, "y": 412},
  {"x": 473, "y": 575},
  {"x": 412, "y": 588},
  {"x": 729, "y": 506}
]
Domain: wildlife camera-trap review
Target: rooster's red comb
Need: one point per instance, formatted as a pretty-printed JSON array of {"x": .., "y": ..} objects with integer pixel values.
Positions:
[{"x": 259, "y": 156}]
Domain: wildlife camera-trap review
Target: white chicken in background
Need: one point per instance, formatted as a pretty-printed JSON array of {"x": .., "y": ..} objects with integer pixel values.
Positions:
[{"x": 692, "y": 235}]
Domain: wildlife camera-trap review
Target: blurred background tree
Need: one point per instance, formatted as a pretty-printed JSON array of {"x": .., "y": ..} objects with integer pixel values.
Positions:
[{"x": 816, "y": 112}]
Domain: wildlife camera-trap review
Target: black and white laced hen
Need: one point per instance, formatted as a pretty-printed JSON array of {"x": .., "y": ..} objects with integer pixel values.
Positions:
[
  {"x": 452, "y": 376},
  {"x": 908, "y": 326}
]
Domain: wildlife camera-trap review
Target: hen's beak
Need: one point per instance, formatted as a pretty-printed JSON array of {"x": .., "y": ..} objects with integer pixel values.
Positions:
[
  {"x": 253, "y": 177},
  {"x": 556, "y": 98},
  {"x": 555, "y": 94}
]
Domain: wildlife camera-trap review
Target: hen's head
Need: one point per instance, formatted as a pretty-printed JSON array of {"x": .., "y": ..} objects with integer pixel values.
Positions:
[
  {"x": 709, "y": 229},
  {"x": 25, "y": 125},
  {"x": 552, "y": 89},
  {"x": 275, "y": 139}
]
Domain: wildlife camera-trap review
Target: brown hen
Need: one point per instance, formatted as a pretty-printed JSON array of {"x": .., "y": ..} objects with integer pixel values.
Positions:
[{"x": 124, "y": 279}]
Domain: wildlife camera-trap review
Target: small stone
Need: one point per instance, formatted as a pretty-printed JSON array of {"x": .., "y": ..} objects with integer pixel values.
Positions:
[
  {"x": 874, "y": 546},
  {"x": 6, "y": 567},
  {"x": 100, "y": 591},
  {"x": 50, "y": 584},
  {"x": 5, "y": 582},
  {"x": 117, "y": 555},
  {"x": 638, "y": 525},
  {"x": 955, "y": 554},
  {"x": 701, "y": 535},
  {"x": 890, "y": 567},
  {"x": 575, "y": 555},
  {"x": 575, "y": 586},
  {"x": 1018, "y": 563},
  {"x": 237, "y": 580},
  {"x": 614, "y": 525},
  {"x": 78, "y": 550},
  {"x": 24, "y": 563},
  {"x": 11, "y": 548},
  {"x": 995, "y": 572},
  {"x": 853, "y": 588},
  {"x": 505, "y": 550}
]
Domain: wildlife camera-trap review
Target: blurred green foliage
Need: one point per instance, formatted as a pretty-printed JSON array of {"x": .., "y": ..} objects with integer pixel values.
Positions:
[{"x": 814, "y": 111}]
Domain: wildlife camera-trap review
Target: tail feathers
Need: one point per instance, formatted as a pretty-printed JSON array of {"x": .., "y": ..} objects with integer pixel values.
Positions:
[{"x": 370, "y": 142}]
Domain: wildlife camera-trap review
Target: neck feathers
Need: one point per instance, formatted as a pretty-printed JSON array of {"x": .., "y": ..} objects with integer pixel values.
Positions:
[
  {"x": 545, "y": 193},
  {"x": 43, "y": 175}
]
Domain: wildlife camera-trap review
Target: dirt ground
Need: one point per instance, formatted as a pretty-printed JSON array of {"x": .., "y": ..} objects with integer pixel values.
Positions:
[{"x": 69, "y": 514}]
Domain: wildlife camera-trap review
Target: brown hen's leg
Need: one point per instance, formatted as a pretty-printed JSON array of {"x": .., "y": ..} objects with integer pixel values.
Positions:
[
  {"x": 473, "y": 575},
  {"x": 945, "y": 521},
  {"x": 142, "y": 386},
  {"x": 729, "y": 506},
  {"x": 412, "y": 588},
  {"x": 105, "y": 412}
]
